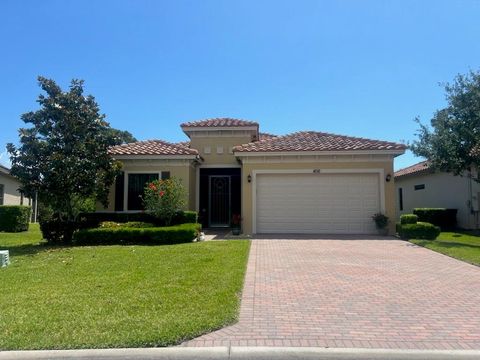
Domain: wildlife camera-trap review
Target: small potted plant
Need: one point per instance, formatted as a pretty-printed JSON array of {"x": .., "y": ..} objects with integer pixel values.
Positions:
[
  {"x": 381, "y": 222},
  {"x": 236, "y": 224}
]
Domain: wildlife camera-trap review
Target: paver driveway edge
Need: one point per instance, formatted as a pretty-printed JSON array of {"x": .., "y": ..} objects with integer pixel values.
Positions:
[{"x": 241, "y": 353}]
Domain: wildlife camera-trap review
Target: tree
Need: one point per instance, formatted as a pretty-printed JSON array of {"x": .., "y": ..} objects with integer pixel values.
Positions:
[
  {"x": 63, "y": 155},
  {"x": 453, "y": 142},
  {"x": 120, "y": 137}
]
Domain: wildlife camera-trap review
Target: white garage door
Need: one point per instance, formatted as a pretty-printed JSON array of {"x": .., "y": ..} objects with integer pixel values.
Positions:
[{"x": 317, "y": 203}]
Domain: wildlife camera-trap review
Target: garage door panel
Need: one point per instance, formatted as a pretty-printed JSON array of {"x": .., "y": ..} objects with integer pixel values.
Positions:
[{"x": 317, "y": 203}]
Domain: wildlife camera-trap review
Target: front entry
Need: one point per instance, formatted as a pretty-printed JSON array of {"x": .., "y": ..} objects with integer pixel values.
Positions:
[
  {"x": 219, "y": 207},
  {"x": 220, "y": 196}
]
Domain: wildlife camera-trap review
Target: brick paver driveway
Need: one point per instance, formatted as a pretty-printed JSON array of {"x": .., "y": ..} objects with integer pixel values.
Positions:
[{"x": 354, "y": 293}]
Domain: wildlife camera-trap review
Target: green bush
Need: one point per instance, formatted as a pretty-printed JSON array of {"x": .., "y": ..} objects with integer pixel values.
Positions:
[
  {"x": 446, "y": 219},
  {"x": 94, "y": 219},
  {"x": 131, "y": 235},
  {"x": 130, "y": 224},
  {"x": 408, "y": 219},
  {"x": 14, "y": 218},
  {"x": 420, "y": 230},
  {"x": 57, "y": 231}
]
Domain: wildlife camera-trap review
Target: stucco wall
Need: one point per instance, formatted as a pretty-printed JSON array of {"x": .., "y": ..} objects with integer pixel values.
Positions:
[
  {"x": 11, "y": 194},
  {"x": 200, "y": 143},
  {"x": 441, "y": 190},
  {"x": 247, "y": 188},
  {"x": 181, "y": 169}
]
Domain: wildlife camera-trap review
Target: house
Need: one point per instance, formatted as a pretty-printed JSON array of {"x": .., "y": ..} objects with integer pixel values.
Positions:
[
  {"x": 305, "y": 182},
  {"x": 420, "y": 186},
  {"x": 9, "y": 185}
]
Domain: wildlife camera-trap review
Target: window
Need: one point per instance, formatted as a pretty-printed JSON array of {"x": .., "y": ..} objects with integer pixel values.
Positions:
[
  {"x": 165, "y": 175},
  {"x": 207, "y": 150},
  {"x": 419, "y": 187},
  {"x": 400, "y": 198},
  {"x": 219, "y": 149},
  {"x": 2, "y": 190},
  {"x": 136, "y": 186}
]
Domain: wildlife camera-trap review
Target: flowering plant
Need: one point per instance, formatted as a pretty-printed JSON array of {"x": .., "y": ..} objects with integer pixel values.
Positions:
[
  {"x": 164, "y": 198},
  {"x": 236, "y": 220},
  {"x": 381, "y": 220}
]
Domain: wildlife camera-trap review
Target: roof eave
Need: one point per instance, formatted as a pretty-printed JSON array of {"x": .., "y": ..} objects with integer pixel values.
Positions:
[{"x": 319, "y": 153}]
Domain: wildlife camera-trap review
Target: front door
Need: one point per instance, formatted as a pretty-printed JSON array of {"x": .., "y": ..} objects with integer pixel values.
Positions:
[{"x": 219, "y": 200}]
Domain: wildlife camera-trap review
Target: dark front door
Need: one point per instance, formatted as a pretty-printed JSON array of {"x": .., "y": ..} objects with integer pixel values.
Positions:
[{"x": 220, "y": 199}]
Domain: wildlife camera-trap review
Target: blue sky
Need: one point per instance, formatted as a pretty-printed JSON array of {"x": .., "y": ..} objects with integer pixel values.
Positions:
[{"x": 361, "y": 68}]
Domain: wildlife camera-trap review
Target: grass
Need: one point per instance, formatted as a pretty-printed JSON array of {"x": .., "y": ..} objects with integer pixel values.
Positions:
[
  {"x": 463, "y": 246},
  {"x": 116, "y": 296}
]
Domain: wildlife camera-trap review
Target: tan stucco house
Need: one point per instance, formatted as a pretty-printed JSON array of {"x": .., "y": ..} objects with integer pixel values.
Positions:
[
  {"x": 9, "y": 193},
  {"x": 305, "y": 182},
  {"x": 420, "y": 186}
]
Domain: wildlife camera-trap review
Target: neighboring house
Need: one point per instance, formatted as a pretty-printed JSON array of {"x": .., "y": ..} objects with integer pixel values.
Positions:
[
  {"x": 419, "y": 186},
  {"x": 305, "y": 182},
  {"x": 9, "y": 193}
]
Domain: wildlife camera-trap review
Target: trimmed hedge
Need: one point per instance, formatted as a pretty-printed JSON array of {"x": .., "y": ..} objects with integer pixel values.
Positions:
[
  {"x": 129, "y": 235},
  {"x": 131, "y": 224},
  {"x": 408, "y": 219},
  {"x": 420, "y": 230},
  {"x": 446, "y": 219},
  {"x": 93, "y": 219},
  {"x": 14, "y": 218}
]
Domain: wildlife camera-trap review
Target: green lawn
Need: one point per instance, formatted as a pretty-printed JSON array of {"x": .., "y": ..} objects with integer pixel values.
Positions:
[
  {"x": 116, "y": 296},
  {"x": 462, "y": 246}
]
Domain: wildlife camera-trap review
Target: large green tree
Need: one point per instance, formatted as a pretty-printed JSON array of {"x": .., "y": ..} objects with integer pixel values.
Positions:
[
  {"x": 452, "y": 142},
  {"x": 63, "y": 153}
]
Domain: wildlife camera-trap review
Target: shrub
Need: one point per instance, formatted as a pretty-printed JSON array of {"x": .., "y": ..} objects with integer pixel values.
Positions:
[
  {"x": 408, "y": 219},
  {"x": 420, "y": 230},
  {"x": 131, "y": 235},
  {"x": 14, "y": 218},
  {"x": 164, "y": 198},
  {"x": 381, "y": 220},
  {"x": 94, "y": 219},
  {"x": 57, "y": 231},
  {"x": 130, "y": 224},
  {"x": 445, "y": 218}
]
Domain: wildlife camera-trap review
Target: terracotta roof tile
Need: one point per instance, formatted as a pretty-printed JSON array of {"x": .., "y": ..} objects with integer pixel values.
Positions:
[
  {"x": 151, "y": 147},
  {"x": 266, "y": 136},
  {"x": 219, "y": 122},
  {"x": 317, "y": 141},
  {"x": 421, "y": 167}
]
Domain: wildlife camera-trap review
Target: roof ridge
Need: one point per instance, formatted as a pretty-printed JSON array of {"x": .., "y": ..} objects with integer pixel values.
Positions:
[{"x": 204, "y": 122}]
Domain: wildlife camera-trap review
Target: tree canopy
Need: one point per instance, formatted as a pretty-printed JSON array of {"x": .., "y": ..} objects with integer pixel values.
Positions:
[
  {"x": 452, "y": 142},
  {"x": 63, "y": 154}
]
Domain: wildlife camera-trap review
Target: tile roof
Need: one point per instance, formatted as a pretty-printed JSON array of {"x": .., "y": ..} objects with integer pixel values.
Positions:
[
  {"x": 266, "y": 136},
  {"x": 416, "y": 169},
  {"x": 219, "y": 122},
  {"x": 316, "y": 141},
  {"x": 151, "y": 147}
]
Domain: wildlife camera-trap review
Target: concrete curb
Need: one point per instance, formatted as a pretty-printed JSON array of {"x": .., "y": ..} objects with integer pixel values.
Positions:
[{"x": 241, "y": 353}]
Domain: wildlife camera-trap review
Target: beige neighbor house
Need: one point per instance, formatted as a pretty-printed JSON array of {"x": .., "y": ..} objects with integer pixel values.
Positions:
[
  {"x": 305, "y": 182},
  {"x": 419, "y": 186},
  {"x": 9, "y": 193}
]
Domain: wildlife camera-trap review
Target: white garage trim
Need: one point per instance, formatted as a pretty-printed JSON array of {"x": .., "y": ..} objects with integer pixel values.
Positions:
[{"x": 380, "y": 172}]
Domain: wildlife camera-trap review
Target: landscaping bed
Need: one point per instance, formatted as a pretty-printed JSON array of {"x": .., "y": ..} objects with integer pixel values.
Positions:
[
  {"x": 116, "y": 296},
  {"x": 460, "y": 245}
]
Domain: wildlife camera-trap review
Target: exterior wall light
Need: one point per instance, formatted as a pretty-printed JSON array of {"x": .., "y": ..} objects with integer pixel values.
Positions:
[
  {"x": 249, "y": 178},
  {"x": 388, "y": 178}
]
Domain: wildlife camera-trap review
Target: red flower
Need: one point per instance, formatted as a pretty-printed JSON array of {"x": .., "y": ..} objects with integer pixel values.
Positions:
[
  {"x": 152, "y": 186},
  {"x": 161, "y": 193}
]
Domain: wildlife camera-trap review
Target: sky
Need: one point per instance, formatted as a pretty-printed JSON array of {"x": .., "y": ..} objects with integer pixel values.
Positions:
[{"x": 359, "y": 68}]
